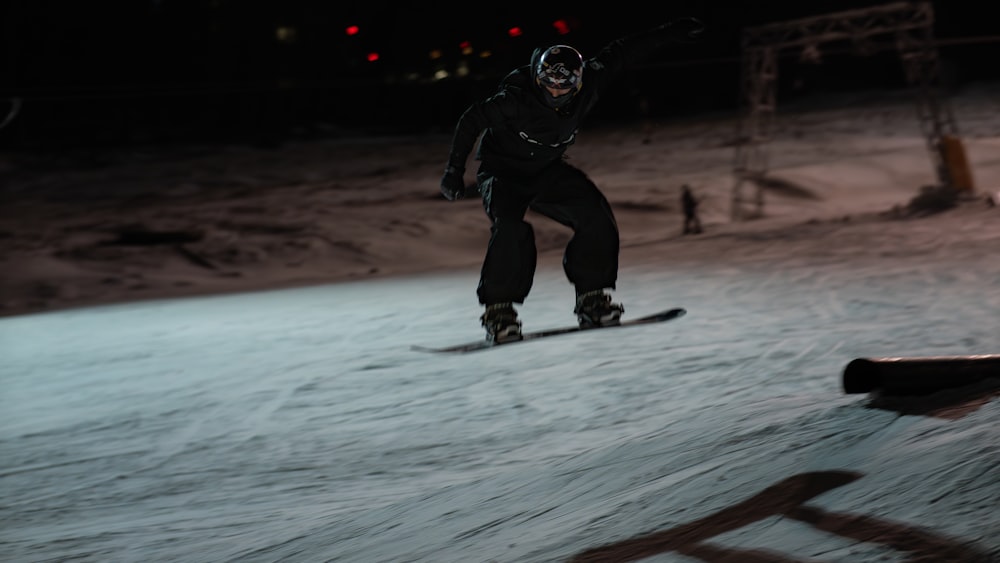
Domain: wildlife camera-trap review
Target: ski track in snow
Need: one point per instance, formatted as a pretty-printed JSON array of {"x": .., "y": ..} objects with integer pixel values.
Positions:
[{"x": 296, "y": 425}]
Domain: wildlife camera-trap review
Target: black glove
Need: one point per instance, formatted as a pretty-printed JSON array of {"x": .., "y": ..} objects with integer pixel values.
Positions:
[
  {"x": 453, "y": 183},
  {"x": 685, "y": 30}
]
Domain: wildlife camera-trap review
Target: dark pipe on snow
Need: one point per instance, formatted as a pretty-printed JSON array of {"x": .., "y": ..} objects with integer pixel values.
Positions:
[{"x": 918, "y": 376}]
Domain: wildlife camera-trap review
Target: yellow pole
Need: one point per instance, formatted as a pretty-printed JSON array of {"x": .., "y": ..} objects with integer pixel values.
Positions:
[{"x": 953, "y": 153}]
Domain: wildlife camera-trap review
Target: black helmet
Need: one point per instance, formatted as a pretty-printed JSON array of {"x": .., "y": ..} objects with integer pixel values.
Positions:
[{"x": 559, "y": 67}]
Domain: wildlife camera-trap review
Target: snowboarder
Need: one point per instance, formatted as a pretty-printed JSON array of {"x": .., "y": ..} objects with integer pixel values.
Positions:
[
  {"x": 692, "y": 224},
  {"x": 527, "y": 126}
]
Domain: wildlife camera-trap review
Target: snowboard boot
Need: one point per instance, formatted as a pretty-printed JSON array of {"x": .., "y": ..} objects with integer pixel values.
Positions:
[
  {"x": 594, "y": 309},
  {"x": 501, "y": 324}
]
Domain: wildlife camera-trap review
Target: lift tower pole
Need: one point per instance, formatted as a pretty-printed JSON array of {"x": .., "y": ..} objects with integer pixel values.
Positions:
[{"x": 909, "y": 27}]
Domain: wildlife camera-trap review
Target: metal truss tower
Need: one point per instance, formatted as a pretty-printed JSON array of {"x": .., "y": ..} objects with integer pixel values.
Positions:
[{"x": 909, "y": 27}]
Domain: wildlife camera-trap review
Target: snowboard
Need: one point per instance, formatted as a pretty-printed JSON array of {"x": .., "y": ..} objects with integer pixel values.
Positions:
[{"x": 662, "y": 316}]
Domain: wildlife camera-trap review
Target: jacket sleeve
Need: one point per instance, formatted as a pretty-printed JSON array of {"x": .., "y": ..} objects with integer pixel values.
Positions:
[
  {"x": 639, "y": 46},
  {"x": 467, "y": 130},
  {"x": 474, "y": 120}
]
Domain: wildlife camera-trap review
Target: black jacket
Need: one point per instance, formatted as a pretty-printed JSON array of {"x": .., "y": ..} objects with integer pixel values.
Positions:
[{"x": 522, "y": 133}]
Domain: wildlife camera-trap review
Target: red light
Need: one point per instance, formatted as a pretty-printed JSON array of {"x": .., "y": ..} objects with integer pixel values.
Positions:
[
  {"x": 372, "y": 57},
  {"x": 562, "y": 27},
  {"x": 514, "y": 32},
  {"x": 352, "y": 30},
  {"x": 465, "y": 45}
]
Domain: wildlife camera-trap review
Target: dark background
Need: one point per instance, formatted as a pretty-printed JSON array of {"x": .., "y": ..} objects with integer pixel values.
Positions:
[{"x": 179, "y": 71}]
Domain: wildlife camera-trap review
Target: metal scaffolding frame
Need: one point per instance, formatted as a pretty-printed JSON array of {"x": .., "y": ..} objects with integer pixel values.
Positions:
[{"x": 910, "y": 27}]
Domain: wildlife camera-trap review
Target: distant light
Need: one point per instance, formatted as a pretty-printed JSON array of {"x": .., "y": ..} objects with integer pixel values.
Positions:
[
  {"x": 514, "y": 32},
  {"x": 435, "y": 54},
  {"x": 485, "y": 54},
  {"x": 352, "y": 30},
  {"x": 372, "y": 57},
  {"x": 562, "y": 27},
  {"x": 441, "y": 75},
  {"x": 285, "y": 34},
  {"x": 466, "y": 47}
]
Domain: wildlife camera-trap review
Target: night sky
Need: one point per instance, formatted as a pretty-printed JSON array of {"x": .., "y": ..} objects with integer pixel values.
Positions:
[{"x": 167, "y": 70}]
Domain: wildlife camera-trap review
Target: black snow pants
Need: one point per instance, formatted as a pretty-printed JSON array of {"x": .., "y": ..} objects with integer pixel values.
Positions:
[{"x": 564, "y": 194}]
